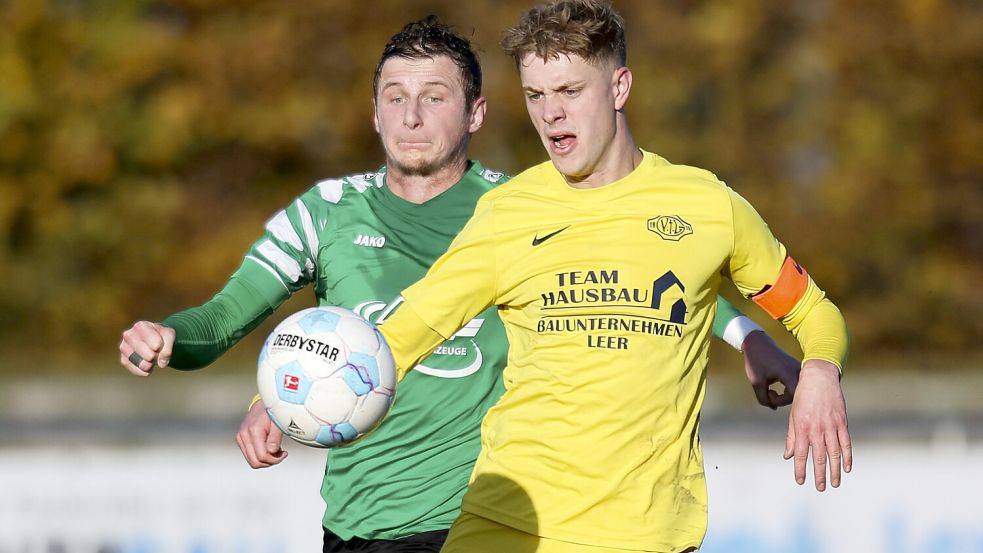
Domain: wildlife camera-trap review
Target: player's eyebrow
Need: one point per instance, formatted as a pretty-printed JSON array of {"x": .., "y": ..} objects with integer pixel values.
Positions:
[
  {"x": 559, "y": 88},
  {"x": 391, "y": 84},
  {"x": 569, "y": 84}
]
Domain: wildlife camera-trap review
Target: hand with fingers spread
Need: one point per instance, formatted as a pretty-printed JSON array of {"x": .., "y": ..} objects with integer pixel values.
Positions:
[
  {"x": 818, "y": 422},
  {"x": 259, "y": 439},
  {"x": 144, "y": 346},
  {"x": 765, "y": 364}
]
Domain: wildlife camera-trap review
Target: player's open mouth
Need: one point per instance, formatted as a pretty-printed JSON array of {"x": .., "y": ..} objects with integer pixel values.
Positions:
[{"x": 562, "y": 143}]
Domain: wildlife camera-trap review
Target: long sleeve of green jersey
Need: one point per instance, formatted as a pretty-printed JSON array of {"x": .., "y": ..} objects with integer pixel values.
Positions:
[
  {"x": 726, "y": 312},
  {"x": 205, "y": 332},
  {"x": 277, "y": 265}
]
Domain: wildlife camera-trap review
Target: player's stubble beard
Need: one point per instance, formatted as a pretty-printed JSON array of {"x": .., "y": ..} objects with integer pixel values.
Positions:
[{"x": 426, "y": 168}]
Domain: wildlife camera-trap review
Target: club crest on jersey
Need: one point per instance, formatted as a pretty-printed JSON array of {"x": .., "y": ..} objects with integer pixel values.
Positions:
[
  {"x": 492, "y": 176},
  {"x": 369, "y": 241},
  {"x": 670, "y": 227}
]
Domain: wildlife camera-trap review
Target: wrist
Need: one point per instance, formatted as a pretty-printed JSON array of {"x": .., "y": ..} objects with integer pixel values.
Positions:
[
  {"x": 821, "y": 367},
  {"x": 738, "y": 330},
  {"x": 256, "y": 399}
]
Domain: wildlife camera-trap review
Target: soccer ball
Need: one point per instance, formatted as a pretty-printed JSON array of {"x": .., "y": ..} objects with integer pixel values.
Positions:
[{"x": 327, "y": 376}]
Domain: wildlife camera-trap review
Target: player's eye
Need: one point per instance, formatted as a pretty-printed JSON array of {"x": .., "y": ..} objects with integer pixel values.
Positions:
[
  {"x": 434, "y": 99},
  {"x": 534, "y": 96},
  {"x": 571, "y": 92},
  {"x": 397, "y": 100}
]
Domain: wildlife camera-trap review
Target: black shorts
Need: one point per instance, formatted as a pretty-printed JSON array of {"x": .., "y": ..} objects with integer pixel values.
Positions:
[{"x": 427, "y": 542}]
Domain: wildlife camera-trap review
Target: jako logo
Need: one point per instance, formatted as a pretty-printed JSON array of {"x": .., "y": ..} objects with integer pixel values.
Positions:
[
  {"x": 371, "y": 241},
  {"x": 670, "y": 227}
]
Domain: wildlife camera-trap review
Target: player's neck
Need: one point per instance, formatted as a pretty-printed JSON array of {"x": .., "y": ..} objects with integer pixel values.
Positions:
[
  {"x": 422, "y": 188},
  {"x": 620, "y": 159}
]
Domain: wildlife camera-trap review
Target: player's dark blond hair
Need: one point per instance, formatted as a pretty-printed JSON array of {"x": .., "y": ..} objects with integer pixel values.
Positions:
[{"x": 590, "y": 29}]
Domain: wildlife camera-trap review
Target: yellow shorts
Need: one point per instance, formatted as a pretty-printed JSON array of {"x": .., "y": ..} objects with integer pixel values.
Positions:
[{"x": 473, "y": 534}]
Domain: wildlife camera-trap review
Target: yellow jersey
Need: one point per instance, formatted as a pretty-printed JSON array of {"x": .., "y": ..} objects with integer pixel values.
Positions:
[{"x": 607, "y": 296}]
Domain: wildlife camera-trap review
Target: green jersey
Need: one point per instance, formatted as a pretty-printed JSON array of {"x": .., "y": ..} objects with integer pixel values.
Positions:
[{"x": 360, "y": 245}]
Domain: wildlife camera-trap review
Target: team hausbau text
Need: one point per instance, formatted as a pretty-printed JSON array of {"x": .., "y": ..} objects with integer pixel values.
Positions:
[{"x": 595, "y": 302}]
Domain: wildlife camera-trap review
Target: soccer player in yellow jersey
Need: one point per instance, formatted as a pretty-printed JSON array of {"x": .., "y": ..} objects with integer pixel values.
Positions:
[{"x": 605, "y": 263}]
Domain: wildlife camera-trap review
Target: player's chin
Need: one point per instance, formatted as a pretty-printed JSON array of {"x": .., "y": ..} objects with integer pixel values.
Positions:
[
  {"x": 567, "y": 166},
  {"x": 420, "y": 167}
]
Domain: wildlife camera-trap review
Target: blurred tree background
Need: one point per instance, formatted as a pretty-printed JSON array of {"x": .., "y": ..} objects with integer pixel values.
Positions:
[{"x": 144, "y": 143}]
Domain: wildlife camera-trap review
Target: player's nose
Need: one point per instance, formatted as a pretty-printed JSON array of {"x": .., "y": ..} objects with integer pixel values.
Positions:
[
  {"x": 411, "y": 116},
  {"x": 553, "y": 109}
]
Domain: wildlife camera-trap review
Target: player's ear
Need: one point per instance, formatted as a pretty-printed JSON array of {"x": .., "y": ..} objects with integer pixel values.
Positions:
[
  {"x": 621, "y": 86},
  {"x": 477, "y": 116},
  {"x": 375, "y": 115}
]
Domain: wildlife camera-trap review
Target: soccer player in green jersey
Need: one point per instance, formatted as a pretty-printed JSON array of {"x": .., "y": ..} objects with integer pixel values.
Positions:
[
  {"x": 359, "y": 240},
  {"x": 604, "y": 263}
]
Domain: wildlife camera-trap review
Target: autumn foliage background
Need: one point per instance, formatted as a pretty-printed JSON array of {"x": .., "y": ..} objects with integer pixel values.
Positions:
[{"x": 144, "y": 143}]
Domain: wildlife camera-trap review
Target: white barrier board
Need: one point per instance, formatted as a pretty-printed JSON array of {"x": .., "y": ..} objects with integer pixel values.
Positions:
[{"x": 204, "y": 499}]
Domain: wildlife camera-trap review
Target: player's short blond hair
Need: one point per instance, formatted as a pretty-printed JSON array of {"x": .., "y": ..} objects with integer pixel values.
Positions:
[{"x": 590, "y": 29}]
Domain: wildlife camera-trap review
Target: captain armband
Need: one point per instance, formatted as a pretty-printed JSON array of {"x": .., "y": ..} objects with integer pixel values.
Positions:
[{"x": 780, "y": 298}]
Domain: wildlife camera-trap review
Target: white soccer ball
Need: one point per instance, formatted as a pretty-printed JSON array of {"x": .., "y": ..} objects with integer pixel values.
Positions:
[{"x": 327, "y": 376}]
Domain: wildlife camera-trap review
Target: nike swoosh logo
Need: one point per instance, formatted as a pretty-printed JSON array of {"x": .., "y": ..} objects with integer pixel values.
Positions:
[
  {"x": 537, "y": 240},
  {"x": 453, "y": 373}
]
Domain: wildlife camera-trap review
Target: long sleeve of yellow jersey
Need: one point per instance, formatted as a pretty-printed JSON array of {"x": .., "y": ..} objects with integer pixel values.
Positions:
[
  {"x": 764, "y": 272},
  {"x": 458, "y": 286}
]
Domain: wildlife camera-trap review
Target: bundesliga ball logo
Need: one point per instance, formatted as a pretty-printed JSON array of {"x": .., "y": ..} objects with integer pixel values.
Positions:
[{"x": 326, "y": 376}]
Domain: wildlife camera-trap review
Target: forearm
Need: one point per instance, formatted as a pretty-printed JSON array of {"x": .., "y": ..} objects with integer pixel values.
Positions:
[
  {"x": 820, "y": 330},
  {"x": 205, "y": 332}
]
